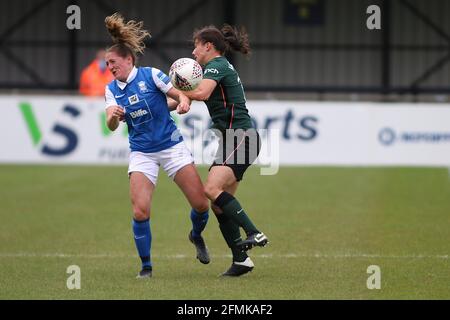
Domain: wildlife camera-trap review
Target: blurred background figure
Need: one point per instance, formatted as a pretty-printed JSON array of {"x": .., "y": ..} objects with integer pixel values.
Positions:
[{"x": 95, "y": 76}]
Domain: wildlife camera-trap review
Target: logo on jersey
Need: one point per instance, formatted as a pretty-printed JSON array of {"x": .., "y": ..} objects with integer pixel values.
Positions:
[
  {"x": 163, "y": 77},
  {"x": 142, "y": 86},
  {"x": 210, "y": 70},
  {"x": 138, "y": 113},
  {"x": 133, "y": 99}
]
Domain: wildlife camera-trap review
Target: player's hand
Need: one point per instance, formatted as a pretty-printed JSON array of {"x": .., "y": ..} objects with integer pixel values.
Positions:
[
  {"x": 118, "y": 113},
  {"x": 183, "y": 108}
]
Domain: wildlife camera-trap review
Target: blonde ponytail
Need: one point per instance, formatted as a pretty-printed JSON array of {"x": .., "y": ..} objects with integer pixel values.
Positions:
[{"x": 129, "y": 35}]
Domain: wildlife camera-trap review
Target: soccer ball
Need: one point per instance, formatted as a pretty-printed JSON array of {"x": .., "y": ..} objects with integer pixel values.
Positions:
[{"x": 185, "y": 74}]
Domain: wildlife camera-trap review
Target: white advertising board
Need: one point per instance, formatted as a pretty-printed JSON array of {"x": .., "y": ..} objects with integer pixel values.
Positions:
[{"x": 67, "y": 129}]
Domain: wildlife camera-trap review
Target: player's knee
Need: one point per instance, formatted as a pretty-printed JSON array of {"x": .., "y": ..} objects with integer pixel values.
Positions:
[
  {"x": 212, "y": 192},
  {"x": 141, "y": 214},
  {"x": 202, "y": 206}
]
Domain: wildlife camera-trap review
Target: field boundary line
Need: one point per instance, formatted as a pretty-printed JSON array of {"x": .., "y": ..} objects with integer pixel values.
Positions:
[{"x": 188, "y": 256}]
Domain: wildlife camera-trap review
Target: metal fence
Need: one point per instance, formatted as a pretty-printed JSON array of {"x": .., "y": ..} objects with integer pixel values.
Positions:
[{"x": 320, "y": 46}]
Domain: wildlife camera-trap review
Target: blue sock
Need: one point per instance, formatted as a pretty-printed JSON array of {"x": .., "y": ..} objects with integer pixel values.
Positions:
[
  {"x": 143, "y": 240},
  {"x": 199, "y": 221}
]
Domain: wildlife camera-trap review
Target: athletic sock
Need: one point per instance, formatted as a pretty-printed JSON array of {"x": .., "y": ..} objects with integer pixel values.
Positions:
[
  {"x": 232, "y": 209},
  {"x": 143, "y": 241},
  {"x": 231, "y": 234},
  {"x": 199, "y": 220}
]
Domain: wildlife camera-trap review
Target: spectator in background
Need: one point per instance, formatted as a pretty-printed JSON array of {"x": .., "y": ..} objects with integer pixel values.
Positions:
[{"x": 95, "y": 76}]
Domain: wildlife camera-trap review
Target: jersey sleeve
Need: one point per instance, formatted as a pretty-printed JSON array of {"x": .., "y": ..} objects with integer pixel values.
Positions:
[
  {"x": 109, "y": 98},
  {"x": 214, "y": 71},
  {"x": 161, "y": 80}
]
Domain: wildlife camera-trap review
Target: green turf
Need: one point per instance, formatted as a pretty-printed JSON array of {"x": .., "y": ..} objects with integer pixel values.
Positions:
[{"x": 326, "y": 226}]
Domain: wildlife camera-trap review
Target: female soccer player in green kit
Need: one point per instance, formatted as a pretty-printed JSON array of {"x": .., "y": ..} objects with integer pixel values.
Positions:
[{"x": 239, "y": 143}]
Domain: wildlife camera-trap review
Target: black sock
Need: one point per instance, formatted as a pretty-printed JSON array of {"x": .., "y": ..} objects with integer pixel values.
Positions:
[
  {"x": 233, "y": 210},
  {"x": 231, "y": 234}
]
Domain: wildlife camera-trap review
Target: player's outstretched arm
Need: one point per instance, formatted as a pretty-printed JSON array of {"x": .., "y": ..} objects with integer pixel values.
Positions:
[
  {"x": 203, "y": 91},
  {"x": 178, "y": 101},
  {"x": 172, "y": 103}
]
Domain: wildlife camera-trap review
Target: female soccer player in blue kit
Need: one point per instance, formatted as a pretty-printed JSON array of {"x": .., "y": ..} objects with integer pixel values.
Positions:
[{"x": 138, "y": 96}]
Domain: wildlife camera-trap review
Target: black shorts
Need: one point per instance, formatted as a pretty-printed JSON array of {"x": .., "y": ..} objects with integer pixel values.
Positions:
[{"x": 238, "y": 149}]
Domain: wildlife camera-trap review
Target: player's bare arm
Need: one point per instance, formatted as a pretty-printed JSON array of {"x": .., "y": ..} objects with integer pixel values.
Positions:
[
  {"x": 172, "y": 103},
  {"x": 203, "y": 91},
  {"x": 178, "y": 100},
  {"x": 114, "y": 114}
]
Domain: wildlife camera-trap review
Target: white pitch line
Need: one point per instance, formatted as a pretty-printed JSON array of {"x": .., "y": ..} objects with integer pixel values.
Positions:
[{"x": 189, "y": 256}]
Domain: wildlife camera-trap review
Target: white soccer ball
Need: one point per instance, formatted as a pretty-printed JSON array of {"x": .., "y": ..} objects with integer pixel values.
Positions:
[{"x": 185, "y": 74}]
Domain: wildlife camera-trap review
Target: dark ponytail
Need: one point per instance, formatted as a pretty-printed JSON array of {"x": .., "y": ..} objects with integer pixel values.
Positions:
[
  {"x": 228, "y": 38},
  {"x": 237, "y": 39}
]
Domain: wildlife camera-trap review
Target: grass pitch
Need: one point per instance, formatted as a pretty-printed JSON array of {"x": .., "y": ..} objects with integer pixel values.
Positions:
[{"x": 326, "y": 227}]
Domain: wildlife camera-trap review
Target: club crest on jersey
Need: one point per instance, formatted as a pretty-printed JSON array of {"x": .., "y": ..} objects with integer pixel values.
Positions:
[
  {"x": 142, "y": 86},
  {"x": 133, "y": 99}
]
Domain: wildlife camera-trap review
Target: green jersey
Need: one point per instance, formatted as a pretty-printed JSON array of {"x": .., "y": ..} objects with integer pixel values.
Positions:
[{"x": 226, "y": 105}]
